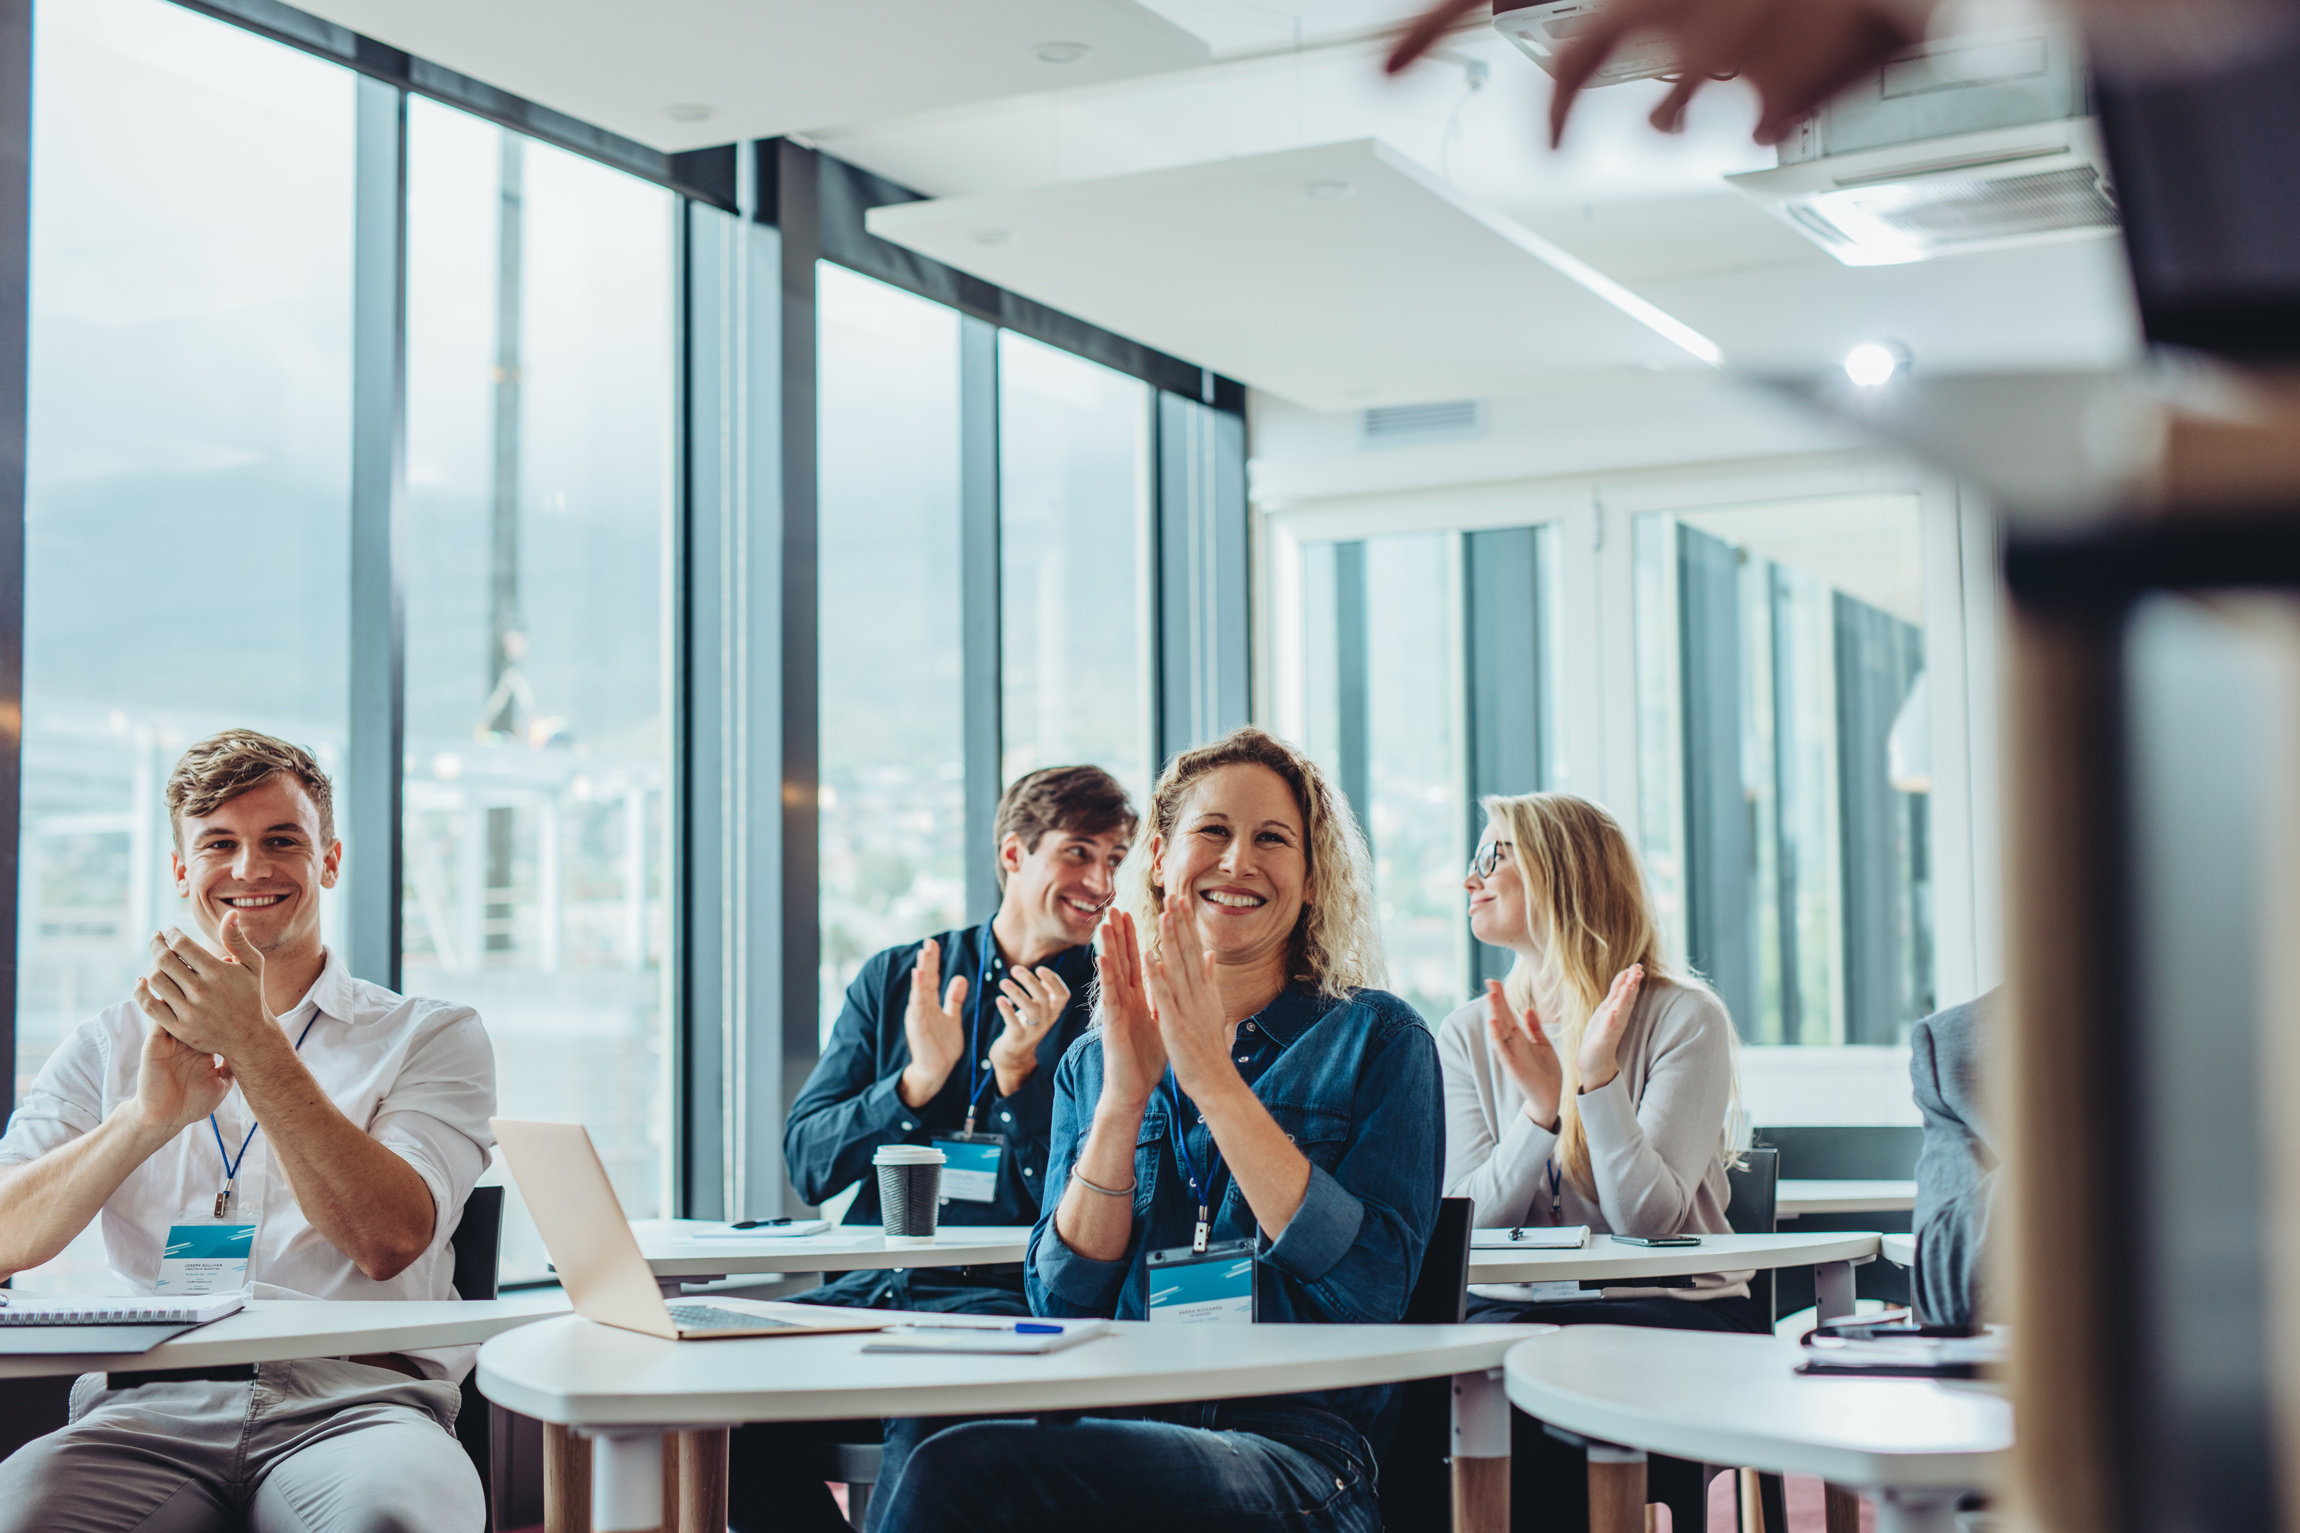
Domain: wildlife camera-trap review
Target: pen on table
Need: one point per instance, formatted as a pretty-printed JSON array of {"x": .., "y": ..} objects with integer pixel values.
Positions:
[
  {"x": 759, "y": 1224},
  {"x": 1019, "y": 1328}
]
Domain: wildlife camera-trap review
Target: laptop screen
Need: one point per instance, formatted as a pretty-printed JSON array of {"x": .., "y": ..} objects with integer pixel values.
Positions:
[{"x": 2207, "y": 170}]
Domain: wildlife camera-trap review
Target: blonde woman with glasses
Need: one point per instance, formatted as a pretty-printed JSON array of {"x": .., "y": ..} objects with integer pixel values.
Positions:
[{"x": 1595, "y": 1085}]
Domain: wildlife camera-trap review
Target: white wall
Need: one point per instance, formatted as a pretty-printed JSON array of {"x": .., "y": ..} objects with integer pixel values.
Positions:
[{"x": 1591, "y": 455}]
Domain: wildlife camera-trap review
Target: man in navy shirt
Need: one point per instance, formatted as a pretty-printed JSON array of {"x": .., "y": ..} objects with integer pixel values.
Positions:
[{"x": 953, "y": 1042}]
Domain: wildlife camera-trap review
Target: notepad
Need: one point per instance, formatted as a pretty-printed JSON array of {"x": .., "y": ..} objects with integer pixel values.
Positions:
[
  {"x": 1044, "y": 1336},
  {"x": 1532, "y": 1237},
  {"x": 87, "y": 1309},
  {"x": 796, "y": 1230}
]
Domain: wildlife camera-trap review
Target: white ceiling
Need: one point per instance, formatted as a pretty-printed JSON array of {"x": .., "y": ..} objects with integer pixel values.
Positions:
[
  {"x": 757, "y": 68},
  {"x": 949, "y": 97},
  {"x": 1307, "y": 272}
]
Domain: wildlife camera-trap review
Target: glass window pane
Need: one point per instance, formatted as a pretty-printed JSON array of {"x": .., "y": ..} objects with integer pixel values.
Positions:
[
  {"x": 188, "y": 475},
  {"x": 1384, "y": 618},
  {"x": 1780, "y": 661},
  {"x": 1074, "y": 550},
  {"x": 893, "y": 832},
  {"x": 540, "y": 357}
]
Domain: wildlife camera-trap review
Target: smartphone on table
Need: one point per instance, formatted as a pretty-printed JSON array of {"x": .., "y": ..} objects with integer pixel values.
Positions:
[{"x": 1657, "y": 1240}]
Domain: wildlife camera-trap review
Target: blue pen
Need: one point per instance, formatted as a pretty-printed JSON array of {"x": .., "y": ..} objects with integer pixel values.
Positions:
[{"x": 1030, "y": 1328}]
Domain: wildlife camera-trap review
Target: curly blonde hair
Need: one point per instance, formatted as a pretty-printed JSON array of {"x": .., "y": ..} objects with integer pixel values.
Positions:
[{"x": 1337, "y": 947}]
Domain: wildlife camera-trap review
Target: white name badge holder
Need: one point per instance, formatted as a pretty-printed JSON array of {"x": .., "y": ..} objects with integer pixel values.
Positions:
[
  {"x": 207, "y": 1253},
  {"x": 1210, "y": 1287}
]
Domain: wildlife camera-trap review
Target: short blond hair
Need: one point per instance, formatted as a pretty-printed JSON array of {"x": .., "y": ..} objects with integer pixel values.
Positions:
[
  {"x": 224, "y": 766},
  {"x": 1336, "y": 947}
]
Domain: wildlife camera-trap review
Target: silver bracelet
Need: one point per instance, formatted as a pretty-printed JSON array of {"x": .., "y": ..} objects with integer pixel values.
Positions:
[{"x": 1126, "y": 1191}]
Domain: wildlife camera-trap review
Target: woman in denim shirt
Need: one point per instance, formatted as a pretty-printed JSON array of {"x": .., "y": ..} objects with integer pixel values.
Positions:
[{"x": 1308, "y": 1107}]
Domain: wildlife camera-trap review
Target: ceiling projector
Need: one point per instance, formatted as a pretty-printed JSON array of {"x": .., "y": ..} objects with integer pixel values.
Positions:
[{"x": 1539, "y": 31}]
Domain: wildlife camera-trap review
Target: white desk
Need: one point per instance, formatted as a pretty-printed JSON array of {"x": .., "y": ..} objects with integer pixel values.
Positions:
[
  {"x": 675, "y": 1256},
  {"x": 624, "y": 1390},
  {"x": 1900, "y": 1250},
  {"x": 1832, "y": 1254},
  {"x": 275, "y": 1330},
  {"x": 1725, "y": 1399},
  {"x": 1794, "y": 1198}
]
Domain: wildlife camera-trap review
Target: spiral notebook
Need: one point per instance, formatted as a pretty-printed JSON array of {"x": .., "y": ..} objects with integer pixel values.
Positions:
[{"x": 86, "y": 1309}]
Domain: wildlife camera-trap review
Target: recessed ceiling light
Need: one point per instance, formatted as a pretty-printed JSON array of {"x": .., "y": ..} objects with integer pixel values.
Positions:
[
  {"x": 687, "y": 111},
  {"x": 992, "y": 236},
  {"x": 1062, "y": 53},
  {"x": 1328, "y": 191},
  {"x": 1872, "y": 364}
]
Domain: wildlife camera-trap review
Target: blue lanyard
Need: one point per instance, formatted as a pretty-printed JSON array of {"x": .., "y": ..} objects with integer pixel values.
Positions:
[
  {"x": 979, "y": 1064},
  {"x": 1556, "y": 1178},
  {"x": 233, "y": 1163},
  {"x": 1202, "y": 1192}
]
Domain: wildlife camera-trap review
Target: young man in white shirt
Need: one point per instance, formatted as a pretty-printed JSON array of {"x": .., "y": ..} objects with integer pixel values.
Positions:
[{"x": 339, "y": 1137}]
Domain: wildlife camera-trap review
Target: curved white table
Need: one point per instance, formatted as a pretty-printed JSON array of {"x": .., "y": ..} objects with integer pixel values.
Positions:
[
  {"x": 1797, "y": 1196},
  {"x": 275, "y": 1330},
  {"x": 625, "y": 1390},
  {"x": 1725, "y": 1399},
  {"x": 1900, "y": 1250},
  {"x": 676, "y": 1256},
  {"x": 1832, "y": 1254}
]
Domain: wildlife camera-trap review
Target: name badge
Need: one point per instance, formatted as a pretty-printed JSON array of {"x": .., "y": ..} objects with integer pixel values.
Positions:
[
  {"x": 970, "y": 1166},
  {"x": 1210, "y": 1287},
  {"x": 205, "y": 1254}
]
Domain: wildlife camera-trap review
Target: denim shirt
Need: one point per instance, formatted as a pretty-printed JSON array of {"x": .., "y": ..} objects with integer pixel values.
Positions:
[
  {"x": 1355, "y": 1086},
  {"x": 849, "y": 1106}
]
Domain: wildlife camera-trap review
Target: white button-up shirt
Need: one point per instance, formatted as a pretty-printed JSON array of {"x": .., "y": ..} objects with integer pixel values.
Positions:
[{"x": 417, "y": 1075}]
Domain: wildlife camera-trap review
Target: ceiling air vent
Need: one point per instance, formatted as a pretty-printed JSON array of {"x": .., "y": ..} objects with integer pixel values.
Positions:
[
  {"x": 1451, "y": 420},
  {"x": 1957, "y": 146}
]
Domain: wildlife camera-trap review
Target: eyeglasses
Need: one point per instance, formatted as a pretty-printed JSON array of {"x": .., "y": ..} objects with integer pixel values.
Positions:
[{"x": 1486, "y": 858}]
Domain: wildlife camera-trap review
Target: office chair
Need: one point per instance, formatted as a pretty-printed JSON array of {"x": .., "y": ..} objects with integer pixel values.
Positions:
[
  {"x": 477, "y": 1243},
  {"x": 1416, "y": 1473}
]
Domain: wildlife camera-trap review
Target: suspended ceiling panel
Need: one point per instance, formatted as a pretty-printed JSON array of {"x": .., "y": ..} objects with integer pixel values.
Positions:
[
  {"x": 1338, "y": 277},
  {"x": 682, "y": 74}
]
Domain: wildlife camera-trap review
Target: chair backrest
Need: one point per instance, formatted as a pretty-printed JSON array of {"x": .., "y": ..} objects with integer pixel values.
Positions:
[
  {"x": 1845, "y": 1153},
  {"x": 1441, "y": 1292},
  {"x": 478, "y": 1240},
  {"x": 1754, "y": 1184}
]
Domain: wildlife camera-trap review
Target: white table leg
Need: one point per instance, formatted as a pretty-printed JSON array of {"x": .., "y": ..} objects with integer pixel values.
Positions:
[
  {"x": 1832, "y": 1291},
  {"x": 626, "y": 1479},
  {"x": 1916, "y": 1511},
  {"x": 1480, "y": 1453}
]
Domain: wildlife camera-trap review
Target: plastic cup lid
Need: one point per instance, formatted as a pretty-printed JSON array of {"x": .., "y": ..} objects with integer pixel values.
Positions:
[{"x": 907, "y": 1155}]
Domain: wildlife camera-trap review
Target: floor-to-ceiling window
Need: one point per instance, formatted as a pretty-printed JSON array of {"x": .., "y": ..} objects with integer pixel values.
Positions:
[
  {"x": 1781, "y": 760},
  {"x": 188, "y": 473},
  {"x": 536, "y": 862},
  {"x": 893, "y": 800},
  {"x": 1074, "y": 548}
]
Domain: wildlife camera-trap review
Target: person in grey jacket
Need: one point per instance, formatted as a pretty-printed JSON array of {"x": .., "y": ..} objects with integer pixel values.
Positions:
[{"x": 1957, "y": 1168}]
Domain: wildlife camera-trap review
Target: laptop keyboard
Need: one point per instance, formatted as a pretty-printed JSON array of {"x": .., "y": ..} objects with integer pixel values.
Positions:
[{"x": 709, "y": 1317}]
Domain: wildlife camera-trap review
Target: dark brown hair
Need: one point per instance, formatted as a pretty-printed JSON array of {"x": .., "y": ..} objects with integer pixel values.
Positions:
[
  {"x": 224, "y": 766},
  {"x": 1076, "y": 800}
]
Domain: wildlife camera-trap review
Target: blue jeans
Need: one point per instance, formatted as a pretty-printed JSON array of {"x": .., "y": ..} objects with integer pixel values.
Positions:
[{"x": 1217, "y": 1468}]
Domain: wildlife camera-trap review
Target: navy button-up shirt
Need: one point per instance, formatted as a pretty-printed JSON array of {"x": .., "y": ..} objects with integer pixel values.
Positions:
[
  {"x": 1355, "y": 1084},
  {"x": 850, "y": 1105}
]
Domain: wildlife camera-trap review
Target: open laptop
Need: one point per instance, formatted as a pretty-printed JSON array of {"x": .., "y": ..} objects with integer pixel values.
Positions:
[{"x": 591, "y": 1244}]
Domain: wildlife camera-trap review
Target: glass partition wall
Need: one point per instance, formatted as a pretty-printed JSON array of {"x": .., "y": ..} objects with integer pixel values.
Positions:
[
  {"x": 535, "y": 854},
  {"x": 407, "y": 421}
]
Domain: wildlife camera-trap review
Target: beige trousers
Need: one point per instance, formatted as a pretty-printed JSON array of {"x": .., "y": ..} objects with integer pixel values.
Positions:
[{"x": 320, "y": 1446}]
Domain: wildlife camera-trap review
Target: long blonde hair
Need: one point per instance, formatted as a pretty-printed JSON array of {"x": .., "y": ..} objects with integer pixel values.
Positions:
[
  {"x": 1590, "y": 917},
  {"x": 1337, "y": 945}
]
